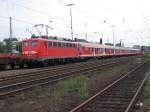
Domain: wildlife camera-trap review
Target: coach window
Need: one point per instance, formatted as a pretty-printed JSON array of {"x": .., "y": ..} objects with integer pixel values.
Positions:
[
  {"x": 63, "y": 44},
  {"x": 92, "y": 49},
  {"x": 71, "y": 46},
  {"x": 34, "y": 43},
  {"x": 67, "y": 44},
  {"x": 101, "y": 49},
  {"x": 106, "y": 50}
]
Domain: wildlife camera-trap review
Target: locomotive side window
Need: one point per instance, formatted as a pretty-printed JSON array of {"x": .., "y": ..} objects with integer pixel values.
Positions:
[
  {"x": 55, "y": 44},
  {"x": 34, "y": 43},
  {"x": 59, "y": 44},
  {"x": 50, "y": 44}
]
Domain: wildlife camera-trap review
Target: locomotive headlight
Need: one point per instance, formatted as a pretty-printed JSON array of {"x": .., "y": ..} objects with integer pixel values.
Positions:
[
  {"x": 25, "y": 52},
  {"x": 29, "y": 52},
  {"x": 34, "y": 52}
]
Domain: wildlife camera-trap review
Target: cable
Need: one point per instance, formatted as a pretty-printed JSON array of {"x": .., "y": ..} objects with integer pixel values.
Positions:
[
  {"x": 18, "y": 20},
  {"x": 81, "y": 10},
  {"x": 110, "y": 11},
  {"x": 35, "y": 10}
]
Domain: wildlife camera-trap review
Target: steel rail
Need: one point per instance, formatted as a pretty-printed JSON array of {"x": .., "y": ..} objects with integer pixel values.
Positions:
[
  {"x": 47, "y": 70},
  {"x": 45, "y": 80},
  {"x": 93, "y": 98},
  {"x": 39, "y": 72},
  {"x": 135, "y": 98}
]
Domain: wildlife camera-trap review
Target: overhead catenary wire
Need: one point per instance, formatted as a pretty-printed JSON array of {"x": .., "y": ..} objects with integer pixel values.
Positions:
[
  {"x": 35, "y": 10},
  {"x": 59, "y": 18},
  {"x": 18, "y": 20}
]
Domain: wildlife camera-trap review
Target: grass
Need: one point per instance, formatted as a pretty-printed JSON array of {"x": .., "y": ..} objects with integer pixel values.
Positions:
[
  {"x": 76, "y": 84},
  {"x": 146, "y": 90},
  {"x": 35, "y": 91},
  {"x": 2, "y": 103},
  {"x": 14, "y": 104},
  {"x": 135, "y": 60},
  {"x": 147, "y": 55},
  {"x": 147, "y": 110}
]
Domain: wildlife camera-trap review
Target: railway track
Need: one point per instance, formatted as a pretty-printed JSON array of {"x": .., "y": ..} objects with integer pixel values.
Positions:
[
  {"x": 56, "y": 75},
  {"x": 60, "y": 68},
  {"x": 119, "y": 96}
]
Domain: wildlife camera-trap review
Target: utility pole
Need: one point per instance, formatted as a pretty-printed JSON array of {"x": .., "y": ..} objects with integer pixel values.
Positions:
[
  {"x": 47, "y": 27},
  {"x": 46, "y": 30},
  {"x": 71, "y": 26},
  {"x": 10, "y": 27},
  {"x": 86, "y": 30},
  {"x": 113, "y": 26}
]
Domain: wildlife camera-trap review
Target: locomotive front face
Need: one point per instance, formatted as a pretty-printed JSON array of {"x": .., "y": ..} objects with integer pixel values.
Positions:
[{"x": 30, "y": 49}]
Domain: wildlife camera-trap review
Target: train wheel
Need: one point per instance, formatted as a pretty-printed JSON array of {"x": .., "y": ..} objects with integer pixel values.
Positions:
[
  {"x": 2, "y": 67},
  {"x": 21, "y": 66},
  {"x": 12, "y": 65},
  {"x": 44, "y": 63}
]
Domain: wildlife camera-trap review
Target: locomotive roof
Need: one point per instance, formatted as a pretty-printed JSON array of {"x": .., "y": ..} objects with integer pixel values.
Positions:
[{"x": 52, "y": 40}]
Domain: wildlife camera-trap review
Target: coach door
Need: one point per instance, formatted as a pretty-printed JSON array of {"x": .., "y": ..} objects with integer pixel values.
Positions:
[{"x": 93, "y": 51}]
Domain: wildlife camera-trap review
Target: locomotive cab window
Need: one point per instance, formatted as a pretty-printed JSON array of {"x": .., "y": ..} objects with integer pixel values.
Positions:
[
  {"x": 25, "y": 43},
  {"x": 34, "y": 43}
]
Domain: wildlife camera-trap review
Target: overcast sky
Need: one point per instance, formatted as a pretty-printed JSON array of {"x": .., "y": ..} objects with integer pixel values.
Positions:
[{"x": 131, "y": 19}]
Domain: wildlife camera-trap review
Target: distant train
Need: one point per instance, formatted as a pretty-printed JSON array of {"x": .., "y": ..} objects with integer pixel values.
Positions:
[
  {"x": 11, "y": 59},
  {"x": 10, "y": 53},
  {"x": 43, "y": 51}
]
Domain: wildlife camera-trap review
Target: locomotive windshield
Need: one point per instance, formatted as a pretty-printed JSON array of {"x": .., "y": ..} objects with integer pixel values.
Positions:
[
  {"x": 25, "y": 43},
  {"x": 34, "y": 43}
]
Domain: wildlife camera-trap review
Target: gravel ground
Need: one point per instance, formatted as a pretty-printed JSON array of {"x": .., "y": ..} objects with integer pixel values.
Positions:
[{"x": 40, "y": 99}]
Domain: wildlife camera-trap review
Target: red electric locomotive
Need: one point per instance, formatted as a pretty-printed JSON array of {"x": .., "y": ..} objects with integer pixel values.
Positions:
[{"x": 44, "y": 51}]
